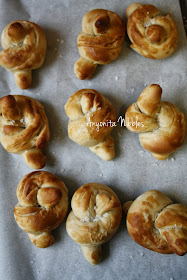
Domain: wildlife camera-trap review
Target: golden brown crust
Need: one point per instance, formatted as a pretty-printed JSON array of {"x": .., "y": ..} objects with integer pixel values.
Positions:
[
  {"x": 99, "y": 42},
  {"x": 43, "y": 203},
  {"x": 87, "y": 109},
  {"x": 24, "y": 45},
  {"x": 152, "y": 34},
  {"x": 24, "y": 128},
  {"x": 95, "y": 217},
  {"x": 154, "y": 222},
  {"x": 163, "y": 126}
]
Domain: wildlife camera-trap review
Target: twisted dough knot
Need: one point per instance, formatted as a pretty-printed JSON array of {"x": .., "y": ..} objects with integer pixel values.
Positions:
[
  {"x": 43, "y": 204},
  {"x": 152, "y": 34},
  {"x": 24, "y": 45},
  {"x": 161, "y": 126},
  {"x": 92, "y": 118},
  {"x": 99, "y": 42},
  {"x": 154, "y": 222},
  {"x": 24, "y": 128},
  {"x": 95, "y": 217}
]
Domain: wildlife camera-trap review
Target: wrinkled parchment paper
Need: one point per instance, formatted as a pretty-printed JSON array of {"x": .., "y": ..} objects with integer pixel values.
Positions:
[{"x": 131, "y": 173}]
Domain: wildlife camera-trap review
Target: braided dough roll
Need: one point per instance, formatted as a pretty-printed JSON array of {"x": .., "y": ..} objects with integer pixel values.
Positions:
[
  {"x": 152, "y": 34},
  {"x": 24, "y": 128},
  {"x": 99, "y": 42},
  {"x": 94, "y": 219},
  {"x": 24, "y": 48},
  {"x": 43, "y": 204},
  {"x": 163, "y": 126},
  {"x": 156, "y": 223},
  {"x": 86, "y": 110}
]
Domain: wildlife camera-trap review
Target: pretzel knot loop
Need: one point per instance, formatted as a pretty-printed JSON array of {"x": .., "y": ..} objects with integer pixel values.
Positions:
[
  {"x": 99, "y": 42},
  {"x": 24, "y": 45},
  {"x": 43, "y": 203},
  {"x": 163, "y": 126},
  {"x": 92, "y": 118},
  {"x": 152, "y": 34},
  {"x": 95, "y": 217},
  {"x": 156, "y": 223},
  {"x": 24, "y": 128}
]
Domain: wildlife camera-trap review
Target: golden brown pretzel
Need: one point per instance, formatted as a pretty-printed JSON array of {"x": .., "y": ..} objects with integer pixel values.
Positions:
[
  {"x": 152, "y": 34},
  {"x": 24, "y": 128},
  {"x": 154, "y": 222},
  {"x": 24, "y": 47},
  {"x": 162, "y": 127},
  {"x": 99, "y": 42},
  {"x": 94, "y": 219},
  {"x": 87, "y": 109},
  {"x": 43, "y": 204}
]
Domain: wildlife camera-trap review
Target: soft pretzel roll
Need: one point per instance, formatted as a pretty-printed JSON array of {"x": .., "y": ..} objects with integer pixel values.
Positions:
[
  {"x": 95, "y": 217},
  {"x": 99, "y": 42},
  {"x": 24, "y": 128},
  {"x": 43, "y": 204},
  {"x": 152, "y": 34},
  {"x": 24, "y": 45},
  {"x": 154, "y": 222},
  {"x": 87, "y": 109},
  {"x": 161, "y": 126}
]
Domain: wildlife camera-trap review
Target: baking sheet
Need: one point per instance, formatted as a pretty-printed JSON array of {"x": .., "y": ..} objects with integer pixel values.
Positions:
[{"x": 131, "y": 173}]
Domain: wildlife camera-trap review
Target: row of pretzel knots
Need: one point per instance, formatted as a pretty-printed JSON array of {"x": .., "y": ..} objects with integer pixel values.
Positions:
[
  {"x": 152, "y": 34},
  {"x": 153, "y": 220}
]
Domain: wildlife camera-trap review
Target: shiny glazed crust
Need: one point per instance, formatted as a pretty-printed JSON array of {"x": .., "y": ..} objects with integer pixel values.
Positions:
[
  {"x": 152, "y": 34},
  {"x": 154, "y": 222},
  {"x": 43, "y": 204},
  {"x": 99, "y": 42}
]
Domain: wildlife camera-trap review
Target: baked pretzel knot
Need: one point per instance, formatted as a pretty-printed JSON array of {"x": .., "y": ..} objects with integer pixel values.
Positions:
[
  {"x": 92, "y": 118},
  {"x": 99, "y": 42},
  {"x": 161, "y": 126},
  {"x": 43, "y": 204},
  {"x": 24, "y": 128},
  {"x": 152, "y": 34},
  {"x": 94, "y": 219},
  {"x": 154, "y": 222},
  {"x": 24, "y": 45}
]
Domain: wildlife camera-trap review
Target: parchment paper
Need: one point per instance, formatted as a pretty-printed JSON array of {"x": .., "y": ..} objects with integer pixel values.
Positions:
[{"x": 131, "y": 173}]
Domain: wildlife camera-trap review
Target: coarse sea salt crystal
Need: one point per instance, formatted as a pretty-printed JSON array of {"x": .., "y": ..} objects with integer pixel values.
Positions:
[{"x": 116, "y": 78}]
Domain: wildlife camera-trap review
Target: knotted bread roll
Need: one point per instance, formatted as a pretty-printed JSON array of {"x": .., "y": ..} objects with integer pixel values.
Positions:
[
  {"x": 24, "y": 45},
  {"x": 24, "y": 128},
  {"x": 152, "y": 34},
  {"x": 94, "y": 219},
  {"x": 99, "y": 42},
  {"x": 161, "y": 126},
  {"x": 156, "y": 223},
  {"x": 92, "y": 118},
  {"x": 43, "y": 204}
]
